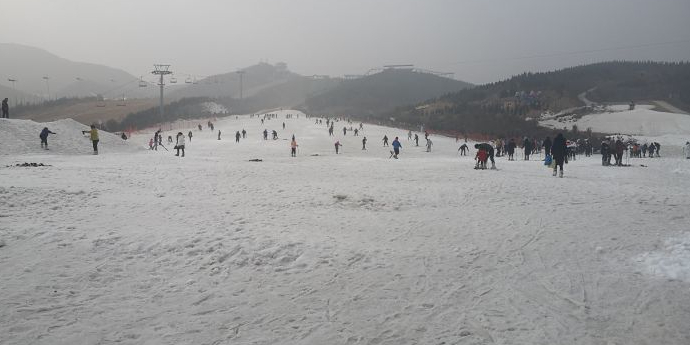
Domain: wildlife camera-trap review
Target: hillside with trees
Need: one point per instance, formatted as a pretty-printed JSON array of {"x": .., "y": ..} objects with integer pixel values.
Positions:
[
  {"x": 381, "y": 92},
  {"x": 510, "y": 107}
]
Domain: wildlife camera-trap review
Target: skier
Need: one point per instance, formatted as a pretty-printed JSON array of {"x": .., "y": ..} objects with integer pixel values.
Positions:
[
  {"x": 658, "y": 148},
  {"x": 547, "y": 146},
  {"x": 510, "y": 148},
  {"x": 170, "y": 139},
  {"x": 644, "y": 150},
  {"x": 293, "y": 147},
  {"x": 155, "y": 139},
  {"x": 283, "y": 125},
  {"x": 409, "y": 135},
  {"x": 416, "y": 139},
  {"x": 489, "y": 150},
  {"x": 356, "y": 132},
  {"x": 337, "y": 146},
  {"x": 481, "y": 158},
  {"x": 385, "y": 140},
  {"x": 559, "y": 153},
  {"x": 44, "y": 137},
  {"x": 651, "y": 149},
  {"x": 687, "y": 150},
  {"x": 605, "y": 152},
  {"x": 180, "y": 143},
  {"x": 344, "y": 130},
  {"x": 527, "y": 146},
  {"x": 123, "y": 136},
  {"x": 219, "y": 134},
  {"x": 330, "y": 131},
  {"x": 428, "y": 145},
  {"x": 93, "y": 134},
  {"x": 265, "y": 134},
  {"x": 5, "y": 109},
  {"x": 190, "y": 136},
  {"x": 275, "y": 135},
  {"x": 237, "y": 136},
  {"x": 618, "y": 153},
  {"x": 396, "y": 147},
  {"x": 200, "y": 127},
  {"x": 244, "y": 134},
  {"x": 364, "y": 143},
  {"x": 463, "y": 149},
  {"x": 151, "y": 144}
]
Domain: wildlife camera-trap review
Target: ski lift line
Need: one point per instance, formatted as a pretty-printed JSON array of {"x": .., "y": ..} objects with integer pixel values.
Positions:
[{"x": 576, "y": 52}]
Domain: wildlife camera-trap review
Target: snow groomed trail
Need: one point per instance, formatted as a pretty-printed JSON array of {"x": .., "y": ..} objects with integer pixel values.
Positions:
[{"x": 141, "y": 247}]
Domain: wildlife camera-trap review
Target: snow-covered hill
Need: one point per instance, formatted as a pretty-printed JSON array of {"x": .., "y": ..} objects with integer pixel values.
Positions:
[
  {"x": 642, "y": 121},
  {"x": 356, "y": 248},
  {"x": 20, "y": 137}
]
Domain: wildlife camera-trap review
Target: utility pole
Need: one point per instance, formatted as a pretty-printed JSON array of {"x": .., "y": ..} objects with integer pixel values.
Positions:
[
  {"x": 161, "y": 70},
  {"x": 241, "y": 73},
  {"x": 13, "y": 89},
  {"x": 46, "y": 78}
]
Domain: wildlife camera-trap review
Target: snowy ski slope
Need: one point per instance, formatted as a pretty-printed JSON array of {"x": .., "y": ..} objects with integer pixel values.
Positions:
[{"x": 142, "y": 247}]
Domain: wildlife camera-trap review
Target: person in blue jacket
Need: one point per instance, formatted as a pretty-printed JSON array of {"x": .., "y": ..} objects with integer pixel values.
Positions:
[
  {"x": 396, "y": 147},
  {"x": 44, "y": 137}
]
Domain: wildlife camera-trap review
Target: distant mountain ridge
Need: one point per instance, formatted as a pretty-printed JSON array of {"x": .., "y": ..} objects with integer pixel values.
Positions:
[
  {"x": 29, "y": 66},
  {"x": 381, "y": 92}
]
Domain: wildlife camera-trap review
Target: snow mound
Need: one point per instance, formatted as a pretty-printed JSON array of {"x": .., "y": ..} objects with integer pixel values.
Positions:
[
  {"x": 214, "y": 108},
  {"x": 672, "y": 262},
  {"x": 21, "y": 137},
  {"x": 640, "y": 121}
]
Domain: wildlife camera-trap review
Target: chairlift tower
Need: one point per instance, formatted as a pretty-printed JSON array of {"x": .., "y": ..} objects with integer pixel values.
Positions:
[{"x": 161, "y": 70}]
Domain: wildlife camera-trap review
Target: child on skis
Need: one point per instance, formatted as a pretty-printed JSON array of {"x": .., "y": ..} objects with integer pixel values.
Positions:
[{"x": 481, "y": 157}]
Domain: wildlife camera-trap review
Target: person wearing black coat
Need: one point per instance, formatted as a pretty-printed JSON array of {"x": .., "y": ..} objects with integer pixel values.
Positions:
[
  {"x": 547, "y": 146},
  {"x": 44, "y": 137},
  {"x": 559, "y": 153},
  {"x": 489, "y": 150},
  {"x": 527, "y": 146}
]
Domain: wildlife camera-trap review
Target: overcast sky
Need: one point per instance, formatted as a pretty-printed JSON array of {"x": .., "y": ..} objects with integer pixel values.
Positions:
[{"x": 479, "y": 40}]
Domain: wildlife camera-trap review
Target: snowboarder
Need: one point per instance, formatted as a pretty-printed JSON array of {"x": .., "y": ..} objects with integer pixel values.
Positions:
[
  {"x": 293, "y": 147},
  {"x": 364, "y": 143},
  {"x": 396, "y": 147},
  {"x": 190, "y": 136},
  {"x": 337, "y": 146},
  {"x": 463, "y": 149},
  {"x": 237, "y": 136},
  {"x": 385, "y": 140},
  {"x": 180, "y": 143},
  {"x": 559, "y": 153},
  {"x": 428, "y": 145},
  {"x": 489, "y": 151},
  {"x": 5, "y": 109},
  {"x": 44, "y": 137}
]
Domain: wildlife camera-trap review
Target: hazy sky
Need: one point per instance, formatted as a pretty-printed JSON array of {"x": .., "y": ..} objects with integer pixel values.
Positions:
[{"x": 479, "y": 40}]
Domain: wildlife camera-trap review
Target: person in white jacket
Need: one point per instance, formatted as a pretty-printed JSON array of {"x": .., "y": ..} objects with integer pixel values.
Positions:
[
  {"x": 687, "y": 149},
  {"x": 180, "y": 144}
]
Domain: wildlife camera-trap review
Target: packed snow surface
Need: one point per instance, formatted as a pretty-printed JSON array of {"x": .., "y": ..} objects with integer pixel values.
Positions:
[
  {"x": 142, "y": 247},
  {"x": 640, "y": 121}
]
